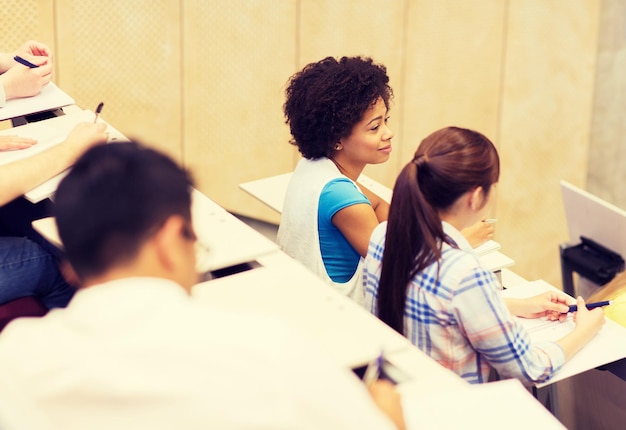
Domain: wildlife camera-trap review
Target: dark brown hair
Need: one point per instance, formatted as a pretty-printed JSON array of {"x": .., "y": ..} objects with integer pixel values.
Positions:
[{"x": 447, "y": 164}]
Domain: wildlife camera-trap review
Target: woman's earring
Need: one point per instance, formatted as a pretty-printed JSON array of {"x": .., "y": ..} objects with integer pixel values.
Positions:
[{"x": 337, "y": 146}]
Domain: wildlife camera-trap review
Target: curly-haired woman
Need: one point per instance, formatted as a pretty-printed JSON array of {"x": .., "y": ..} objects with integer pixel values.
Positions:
[{"x": 337, "y": 111}]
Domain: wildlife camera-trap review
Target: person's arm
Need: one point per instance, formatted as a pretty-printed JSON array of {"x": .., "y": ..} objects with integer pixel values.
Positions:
[
  {"x": 588, "y": 324},
  {"x": 380, "y": 206},
  {"x": 356, "y": 223},
  {"x": 21, "y": 176},
  {"x": 494, "y": 334},
  {"x": 551, "y": 304}
]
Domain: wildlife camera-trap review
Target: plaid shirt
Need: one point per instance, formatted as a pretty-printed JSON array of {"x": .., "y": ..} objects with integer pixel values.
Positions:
[{"x": 460, "y": 319}]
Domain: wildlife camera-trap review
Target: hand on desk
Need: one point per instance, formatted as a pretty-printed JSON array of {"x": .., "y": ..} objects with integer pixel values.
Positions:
[{"x": 12, "y": 143}]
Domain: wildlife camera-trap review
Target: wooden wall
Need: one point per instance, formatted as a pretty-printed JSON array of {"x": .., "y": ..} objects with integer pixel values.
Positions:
[{"x": 205, "y": 80}]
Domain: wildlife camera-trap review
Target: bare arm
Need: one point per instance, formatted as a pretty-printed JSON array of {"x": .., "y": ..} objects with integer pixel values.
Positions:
[
  {"x": 380, "y": 206},
  {"x": 356, "y": 223},
  {"x": 21, "y": 176}
]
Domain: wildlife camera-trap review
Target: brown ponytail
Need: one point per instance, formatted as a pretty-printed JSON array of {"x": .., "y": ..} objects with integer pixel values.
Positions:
[{"x": 447, "y": 163}]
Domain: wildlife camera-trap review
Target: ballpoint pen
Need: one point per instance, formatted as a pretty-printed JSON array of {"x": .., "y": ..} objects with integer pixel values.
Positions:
[
  {"x": 574, "y": 308},
  {"x": 25, "y": 62},
  {"x": 98, "y": 110}
]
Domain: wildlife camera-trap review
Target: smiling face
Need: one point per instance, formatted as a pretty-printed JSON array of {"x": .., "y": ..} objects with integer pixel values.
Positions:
[{"x": 369, "y": 142}]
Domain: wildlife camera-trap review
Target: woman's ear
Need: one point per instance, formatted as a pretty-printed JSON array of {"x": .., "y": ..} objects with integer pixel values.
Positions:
[{"x": 477, "y": 198}]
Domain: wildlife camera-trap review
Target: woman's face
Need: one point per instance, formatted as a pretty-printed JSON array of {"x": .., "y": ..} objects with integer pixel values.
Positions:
[{"x": 370, "y": 140}]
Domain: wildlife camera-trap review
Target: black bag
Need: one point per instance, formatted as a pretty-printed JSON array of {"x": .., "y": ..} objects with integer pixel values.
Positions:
[{"x": 593, "y": 261}]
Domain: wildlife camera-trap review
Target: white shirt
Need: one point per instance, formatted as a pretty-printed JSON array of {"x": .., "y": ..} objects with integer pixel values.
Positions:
[
  {"x": 298, "y": 233},
  {"x": 141, "y": 354}
]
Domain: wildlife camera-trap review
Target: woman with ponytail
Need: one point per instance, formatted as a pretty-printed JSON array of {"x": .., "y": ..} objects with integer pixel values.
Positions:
[{"x": 423, "y": 279}]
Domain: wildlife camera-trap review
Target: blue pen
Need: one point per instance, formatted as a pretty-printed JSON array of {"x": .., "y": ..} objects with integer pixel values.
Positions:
[
  {"x": 373, "y": 370},
  {"x": 574, "y": 308},
  {"x": 25, "y": 62}
]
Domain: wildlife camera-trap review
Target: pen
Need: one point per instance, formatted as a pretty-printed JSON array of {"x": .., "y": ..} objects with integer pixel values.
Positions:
[
  {"x": 25, "y": 62},
  {"x": 98, "y": 110},
  {"x": 490, "y": 220},
  {"x": 373, "y": 370},
  {"x": 574, "y": 308}
]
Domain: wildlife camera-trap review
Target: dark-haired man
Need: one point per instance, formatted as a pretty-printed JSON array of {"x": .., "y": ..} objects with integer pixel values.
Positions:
[{"x": 133, "y": 350}]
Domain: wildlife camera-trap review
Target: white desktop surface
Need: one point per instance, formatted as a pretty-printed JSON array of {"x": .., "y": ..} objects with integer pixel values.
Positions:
[
  {"x": 51, "y": 97},
  {"x": 272, "y": 190},
  {"x": 285, "y": 289},
  {"x": 493, "y": 406},
  {"x": 227, "y": 241}
]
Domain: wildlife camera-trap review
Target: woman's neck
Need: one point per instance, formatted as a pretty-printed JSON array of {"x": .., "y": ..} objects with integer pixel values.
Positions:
[{"x": 347, "y": 169}]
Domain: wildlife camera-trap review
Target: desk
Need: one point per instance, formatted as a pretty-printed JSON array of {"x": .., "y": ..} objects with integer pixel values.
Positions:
[
  {"x": 224, "y": 240},
  {"x": 284, "y": 288},
  {"x": 272, "y": 190},
  {"x": 49, "y": 133},
  {"x": 606, "y": 347}
]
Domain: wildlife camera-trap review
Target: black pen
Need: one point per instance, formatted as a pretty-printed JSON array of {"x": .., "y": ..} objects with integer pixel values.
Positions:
[
  {"x": 25, "y": 62},
  {"x": 98, "y": 110},
  {"x": 574, "y": 308}
]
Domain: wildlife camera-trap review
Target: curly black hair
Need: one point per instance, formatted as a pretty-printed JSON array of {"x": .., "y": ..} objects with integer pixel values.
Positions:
[{"x": 327, "y": 98}]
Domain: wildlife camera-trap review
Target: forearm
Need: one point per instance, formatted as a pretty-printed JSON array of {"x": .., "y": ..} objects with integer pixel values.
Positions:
[
  {"x": 575, "y": 340},
  {"x": 21, "y": 176},
  {"x": 514, "y": 306}
]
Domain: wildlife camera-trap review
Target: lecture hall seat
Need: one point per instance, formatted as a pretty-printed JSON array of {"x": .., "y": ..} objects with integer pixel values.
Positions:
[{"x": 22, "y": 307}]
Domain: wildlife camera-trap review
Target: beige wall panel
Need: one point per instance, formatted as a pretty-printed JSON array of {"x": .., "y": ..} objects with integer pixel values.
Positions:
[
  {"x": 237, "y": 58},
  {"x": 607, "y": 156},
  {"x": 126, "y": 54},
  {"x": 368, "y": 28},
  {"x": 453, "y": 68},
  {"x": 546, "y": 99},
  {"x": 22, "y": 20}
]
